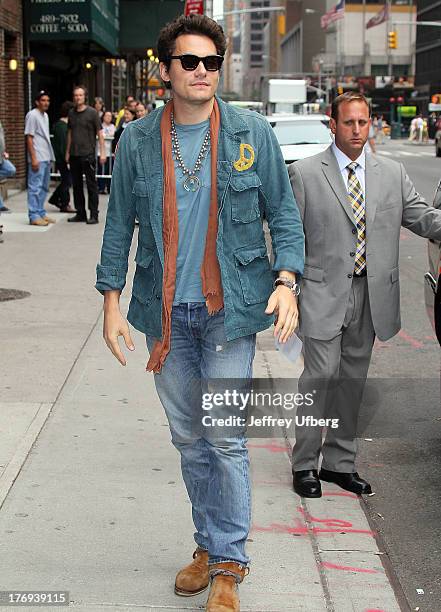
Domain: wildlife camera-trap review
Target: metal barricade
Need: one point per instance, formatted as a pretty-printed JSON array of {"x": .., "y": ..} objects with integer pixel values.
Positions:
[{"x": 99, "y": 172}]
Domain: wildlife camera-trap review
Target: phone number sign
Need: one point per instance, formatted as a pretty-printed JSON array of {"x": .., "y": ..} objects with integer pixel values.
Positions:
[{"x": 73, "y": 20}]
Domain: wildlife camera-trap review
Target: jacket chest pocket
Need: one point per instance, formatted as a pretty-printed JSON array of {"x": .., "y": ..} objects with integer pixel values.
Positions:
[
  {"x": 140, "y": 193},
  {"x": 254, "y": 272},
  {"x": 244, "y": 194},
  {"x": 144, "y": 280}
]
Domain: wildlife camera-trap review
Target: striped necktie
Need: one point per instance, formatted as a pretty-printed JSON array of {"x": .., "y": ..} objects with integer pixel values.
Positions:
[{"x": 356, "y": 199}]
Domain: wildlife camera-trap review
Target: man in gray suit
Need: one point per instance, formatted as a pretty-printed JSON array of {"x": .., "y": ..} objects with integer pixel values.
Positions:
[{"x": 353, "y": 206}]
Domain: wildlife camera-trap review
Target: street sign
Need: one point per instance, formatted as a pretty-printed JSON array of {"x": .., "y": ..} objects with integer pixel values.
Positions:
[
  {"x": 434, "y": 108},
  {"x": 407, "y": 111},
  {"x": 194, "y": 7}
]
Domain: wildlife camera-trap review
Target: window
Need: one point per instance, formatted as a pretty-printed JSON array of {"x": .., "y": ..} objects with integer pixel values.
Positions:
[{"x": 302, "y": 132}]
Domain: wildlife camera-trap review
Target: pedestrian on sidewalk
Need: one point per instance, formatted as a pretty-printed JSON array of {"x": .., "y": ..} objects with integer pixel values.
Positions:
[
  {"x": 380, "y": 133},
  {"x": 141, "y": 110},
  {"x": 120, "y": 114},
  {"x": 40, "y": 158},
  {"x": 61, "y": 196},
  {"x": 7, "y": 168},
  {"x": 109, "y": 135},
  {"x": 129, "y": 115},
  {"x": 350, "y": 286},
  {"x": 98, "y": 105},
  {"x": 84, "y": 126},
  {"x": 201, "y": 174}
]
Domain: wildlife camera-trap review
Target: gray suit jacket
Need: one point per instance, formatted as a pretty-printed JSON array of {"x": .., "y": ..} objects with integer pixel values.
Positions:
[{"x": 331, "y": 238}]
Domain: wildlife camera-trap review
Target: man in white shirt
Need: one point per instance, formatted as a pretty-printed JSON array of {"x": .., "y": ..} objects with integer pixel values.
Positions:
[
  {"x": 353, "y": 206},
  {"x": 40, "y": 156}
]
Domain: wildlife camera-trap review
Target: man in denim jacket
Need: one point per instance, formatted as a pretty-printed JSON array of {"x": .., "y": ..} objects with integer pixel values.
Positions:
[{"x": 200, "y": 326}]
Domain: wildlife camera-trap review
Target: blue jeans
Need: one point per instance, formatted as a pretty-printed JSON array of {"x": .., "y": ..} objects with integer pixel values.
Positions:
[
  {"x": 7, "y": 170},
  {"x": 215, "y": 470},
  {"x": 38, "y": 188}
]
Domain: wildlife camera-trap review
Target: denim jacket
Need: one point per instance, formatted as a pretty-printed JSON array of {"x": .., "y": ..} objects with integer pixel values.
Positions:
[{"x": 245, "y": 197}]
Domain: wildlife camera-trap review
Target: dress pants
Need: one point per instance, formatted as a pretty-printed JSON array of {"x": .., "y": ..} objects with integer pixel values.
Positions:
[
  {"x": 335, "y": 373},
  {"x": 79, "y": 165}
]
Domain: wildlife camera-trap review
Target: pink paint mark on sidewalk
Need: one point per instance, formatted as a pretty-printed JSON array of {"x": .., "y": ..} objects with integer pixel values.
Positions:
[
  {"x": 348, "y": 568},
  {"x": 299, "y": 526},
  {"x": 431, "y": 338},
  {"x": 303, "y": 529},
  {"x": 272, "y": 448},
  {"x": 329, "y": 522},
  {"x": 416, "y": 344}
]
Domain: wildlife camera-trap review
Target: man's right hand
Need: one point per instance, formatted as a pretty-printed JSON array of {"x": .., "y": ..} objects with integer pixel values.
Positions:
[
  {"x": 114, "y": 326},
  {"x": 35, "y": 165}
]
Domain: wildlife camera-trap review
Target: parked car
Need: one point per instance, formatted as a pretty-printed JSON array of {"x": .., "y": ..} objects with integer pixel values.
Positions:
[
  {"x": 432, "y": 287},
  {"x": 301, "y": 136}
]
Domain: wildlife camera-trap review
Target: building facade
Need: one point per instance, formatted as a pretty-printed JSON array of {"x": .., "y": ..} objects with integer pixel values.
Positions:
[
  {"x": 428, "y": 52},
  {"x": 252, "y": 46},
  {"x": 367, "y": 53},
  {"x": 12, "y": 104},
  {"x": 304, "y": 38}
]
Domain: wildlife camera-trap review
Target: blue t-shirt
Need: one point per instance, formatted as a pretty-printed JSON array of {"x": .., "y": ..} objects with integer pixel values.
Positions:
[{"x": 193, "y": 212}]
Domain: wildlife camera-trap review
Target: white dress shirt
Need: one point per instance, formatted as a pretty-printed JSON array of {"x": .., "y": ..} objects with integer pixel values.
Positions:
[{"x": 343, "y": 161}]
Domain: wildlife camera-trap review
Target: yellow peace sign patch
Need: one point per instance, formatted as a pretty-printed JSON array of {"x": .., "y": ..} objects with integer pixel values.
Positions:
[{"x": 244, "y": 162}]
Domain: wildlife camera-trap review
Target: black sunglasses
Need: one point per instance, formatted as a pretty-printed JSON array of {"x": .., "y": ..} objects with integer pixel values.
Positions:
[{"x": 191, "y": 62}]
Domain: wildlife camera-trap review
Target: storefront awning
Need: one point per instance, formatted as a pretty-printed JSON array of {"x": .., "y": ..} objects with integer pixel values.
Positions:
[{"x": 94, "y": 21}]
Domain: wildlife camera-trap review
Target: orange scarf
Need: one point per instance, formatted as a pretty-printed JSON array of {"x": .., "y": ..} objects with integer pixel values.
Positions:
[{"x": 210, "y": 270}]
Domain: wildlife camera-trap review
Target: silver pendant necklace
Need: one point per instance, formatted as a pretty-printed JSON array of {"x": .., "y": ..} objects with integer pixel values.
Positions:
[{"x": 191, "y": 181}]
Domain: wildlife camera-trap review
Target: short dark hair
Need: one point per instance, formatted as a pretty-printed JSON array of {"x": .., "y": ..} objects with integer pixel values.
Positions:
[
  {"x": 190, "y": 24},
  {"x": 348, "y": 96},
  {"x": 65, "y": 108}
]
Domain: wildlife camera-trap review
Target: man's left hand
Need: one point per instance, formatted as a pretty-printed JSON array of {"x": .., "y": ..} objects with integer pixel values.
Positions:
[
  {"x": 283, "y": 303},
  {"x": 103, "y": 160}
]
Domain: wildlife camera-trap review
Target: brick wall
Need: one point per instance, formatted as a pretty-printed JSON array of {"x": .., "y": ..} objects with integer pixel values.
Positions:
[{"x": 12, "y": 84}]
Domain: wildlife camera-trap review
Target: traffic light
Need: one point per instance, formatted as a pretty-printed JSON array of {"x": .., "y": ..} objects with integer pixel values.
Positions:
[
  {"x": 281, "y": 23},
  {"x": 436, "y": 99},
  {"x": 392, "y": 40}
]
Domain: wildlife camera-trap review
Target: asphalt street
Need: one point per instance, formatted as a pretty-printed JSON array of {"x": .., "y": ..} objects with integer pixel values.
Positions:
[{"x": 405, "y": 467}]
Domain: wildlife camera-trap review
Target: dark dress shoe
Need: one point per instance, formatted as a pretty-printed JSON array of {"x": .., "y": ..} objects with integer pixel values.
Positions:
[
  {"x": 67, "y": 209},
  {"x": 306, "y": 483},
  {"x": 350, "y": 481},
  {"x": 77, "y": 219},
  {"x": 92, "y": 221}
]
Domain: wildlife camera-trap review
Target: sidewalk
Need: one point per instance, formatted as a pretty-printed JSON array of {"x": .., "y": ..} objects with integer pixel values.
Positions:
[{"x": 91, "y": 497}]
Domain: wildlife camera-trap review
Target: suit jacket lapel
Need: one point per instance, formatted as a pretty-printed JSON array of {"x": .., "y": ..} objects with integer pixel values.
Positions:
[
  {"x": 372, "y": 189},
  {"x": 333, "y": 176}
]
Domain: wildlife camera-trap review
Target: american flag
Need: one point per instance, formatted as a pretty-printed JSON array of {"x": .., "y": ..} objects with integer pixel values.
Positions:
[
  {"x": 380, "y": 17},
  {"x": 337, "y": 12}
]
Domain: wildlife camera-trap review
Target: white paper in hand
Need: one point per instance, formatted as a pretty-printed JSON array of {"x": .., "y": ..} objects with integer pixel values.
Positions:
[{"x": 290, "y": 349}]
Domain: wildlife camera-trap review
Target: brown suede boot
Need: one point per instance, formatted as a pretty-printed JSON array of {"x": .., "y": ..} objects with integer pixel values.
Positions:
[
  {"x": 224, "y": 594},
  {"x": 193, "y": 579}
]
